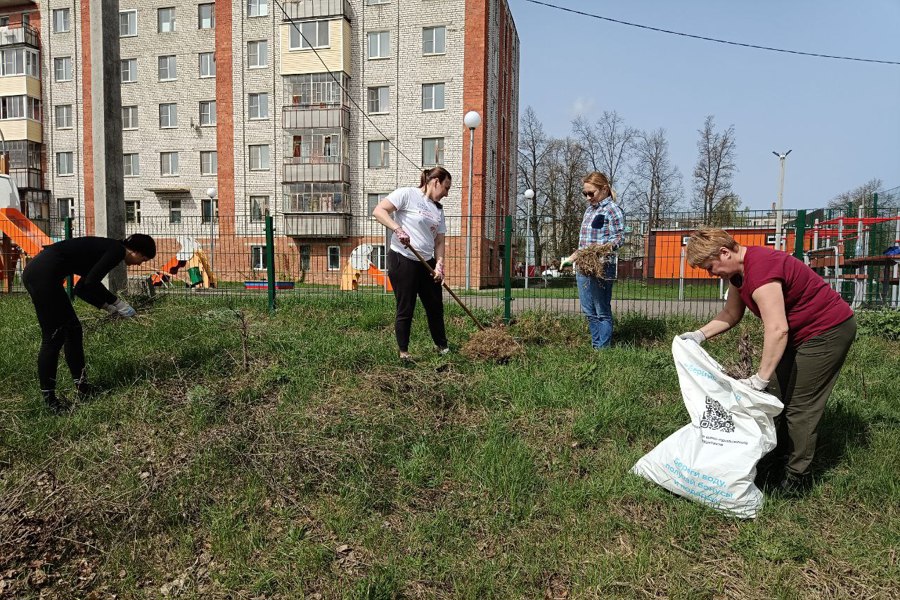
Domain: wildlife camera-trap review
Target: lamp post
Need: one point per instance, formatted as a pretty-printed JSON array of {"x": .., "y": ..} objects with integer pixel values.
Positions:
[
  {"x": 529, "y": 194},
  {"x": 211, "y": 192},
  {"x": 779, "y": 215},
  {"x": 472, "y": 120}
]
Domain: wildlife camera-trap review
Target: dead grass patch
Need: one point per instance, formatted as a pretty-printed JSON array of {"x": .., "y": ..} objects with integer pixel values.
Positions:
[{"x": 492, "y": 344}]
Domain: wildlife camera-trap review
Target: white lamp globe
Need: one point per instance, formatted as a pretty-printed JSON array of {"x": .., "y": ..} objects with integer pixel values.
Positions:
[
  {"x": 472, "y": 119},
  {"x": 529, "y": 194},
  {"x": 211, "y": 192}
]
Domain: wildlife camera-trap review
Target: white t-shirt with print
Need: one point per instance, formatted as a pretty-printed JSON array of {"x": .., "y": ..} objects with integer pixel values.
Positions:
[{"x": 420, "y": 218}]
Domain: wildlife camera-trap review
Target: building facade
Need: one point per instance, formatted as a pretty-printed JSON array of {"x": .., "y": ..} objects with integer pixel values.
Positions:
[{"x": 308, "y": 110}]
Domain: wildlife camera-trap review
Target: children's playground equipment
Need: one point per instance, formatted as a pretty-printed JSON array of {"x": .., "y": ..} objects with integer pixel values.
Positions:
[
  {"x": 191, "y": 258},
  {"x": 18, "y": 235},
  {"x": 358, "y": 262}
]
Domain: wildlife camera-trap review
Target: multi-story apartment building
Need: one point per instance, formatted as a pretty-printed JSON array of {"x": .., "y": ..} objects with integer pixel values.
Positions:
[{"x": 310, "y": 110}]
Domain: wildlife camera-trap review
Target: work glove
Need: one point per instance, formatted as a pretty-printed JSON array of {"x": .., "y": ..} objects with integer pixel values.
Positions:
[
  {"x": 756, "y": 382},
  {"x": 565, "y": 263},
  {"x": 402, "y": 236},
  {"x": 695, "y": 336},
  {"x": 120, "y": 308},
  {"x": 439, "y": 272}
]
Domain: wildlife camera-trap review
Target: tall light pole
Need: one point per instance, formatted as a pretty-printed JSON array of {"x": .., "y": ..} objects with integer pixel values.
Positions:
[
  {"x": 779, "y": 214},
  {"x": 529, "y": 194},
  {"x": 472, "y": 120},
  {"x": 211, "y": 192}
]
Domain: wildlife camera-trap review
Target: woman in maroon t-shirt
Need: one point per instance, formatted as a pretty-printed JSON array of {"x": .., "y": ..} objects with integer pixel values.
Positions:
[{"x": 808, "y": 330}]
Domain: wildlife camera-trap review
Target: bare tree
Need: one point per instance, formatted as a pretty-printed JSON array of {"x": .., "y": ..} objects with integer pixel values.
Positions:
[
  {"x": 862, "y": 195},
  {"x": 658, "y": 181},
  {"x": 715, "y": 168},
  {"x": 570, "y": 164},
  {"x": 535, "y": 150},
  {"x": 609, "y": 145}
]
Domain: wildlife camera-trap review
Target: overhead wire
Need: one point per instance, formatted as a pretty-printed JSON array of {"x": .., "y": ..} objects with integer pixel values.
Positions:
[{"x": 710, "y": 39}]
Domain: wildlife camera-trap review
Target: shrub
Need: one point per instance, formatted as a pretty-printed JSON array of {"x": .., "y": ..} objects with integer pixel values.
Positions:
[{"x": 884, "y": 323}]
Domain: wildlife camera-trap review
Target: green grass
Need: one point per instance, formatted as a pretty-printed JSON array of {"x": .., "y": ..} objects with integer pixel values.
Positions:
[{"x": 238, "y": 454}]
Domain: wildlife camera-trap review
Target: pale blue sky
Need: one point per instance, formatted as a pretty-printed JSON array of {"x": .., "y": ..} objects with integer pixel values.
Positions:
[{"x": 840, "y": 118}]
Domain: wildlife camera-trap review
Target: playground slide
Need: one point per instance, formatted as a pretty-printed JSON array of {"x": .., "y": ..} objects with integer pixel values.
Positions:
[{"x": 23, "y": 232}]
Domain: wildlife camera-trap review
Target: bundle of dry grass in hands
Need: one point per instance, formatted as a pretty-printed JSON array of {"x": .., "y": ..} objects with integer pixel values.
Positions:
[
  {"x": 592, "y": 261},
  {"x": 743, "y": 367},
  {"x": 493, "y": 344}
]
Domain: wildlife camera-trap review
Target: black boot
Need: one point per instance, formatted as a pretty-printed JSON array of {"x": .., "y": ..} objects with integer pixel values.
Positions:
[
  {"x": 794, "y": 486},
  {"x": 85, "y": 390},
  {"x": 57, "y": 405}
]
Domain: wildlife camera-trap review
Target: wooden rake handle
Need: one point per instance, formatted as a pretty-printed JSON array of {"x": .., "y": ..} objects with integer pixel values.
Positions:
[{"x": 446, "y": 287}]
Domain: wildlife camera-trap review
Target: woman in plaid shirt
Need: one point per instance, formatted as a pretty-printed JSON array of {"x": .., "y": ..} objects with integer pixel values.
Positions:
[{"x": 603, "y": 223}]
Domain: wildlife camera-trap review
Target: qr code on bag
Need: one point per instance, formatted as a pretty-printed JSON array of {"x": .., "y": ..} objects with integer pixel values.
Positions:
[{"x": 715, "y": 417}]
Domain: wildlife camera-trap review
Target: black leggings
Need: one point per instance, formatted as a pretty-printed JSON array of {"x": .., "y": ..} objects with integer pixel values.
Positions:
[
  {"x": 60, "y": 327},
  {"x": 410, "y": 278}
]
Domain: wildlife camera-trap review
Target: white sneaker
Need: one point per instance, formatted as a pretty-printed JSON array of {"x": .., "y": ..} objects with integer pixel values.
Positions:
[{"x": 443, "y": 351}]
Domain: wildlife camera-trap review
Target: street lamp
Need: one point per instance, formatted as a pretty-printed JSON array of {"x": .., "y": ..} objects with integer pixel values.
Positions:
[
  {"x": 472, "y": 120},
  {"x": 779, "y": 215},
  {"x": 529, "y": 194},
  {"x": 211, "y": 192}
]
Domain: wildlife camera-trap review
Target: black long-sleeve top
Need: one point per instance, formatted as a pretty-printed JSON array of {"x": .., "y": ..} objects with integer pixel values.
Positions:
[{"x": 91, "y": 258}]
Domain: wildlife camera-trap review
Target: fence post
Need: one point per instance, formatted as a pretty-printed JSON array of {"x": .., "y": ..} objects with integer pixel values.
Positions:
[
  {"x": 270, "y": 261},
  {"x": 799, "y": 233},
  {"x": 70, "y": 280},
  {"x": 507, "y": 268}
]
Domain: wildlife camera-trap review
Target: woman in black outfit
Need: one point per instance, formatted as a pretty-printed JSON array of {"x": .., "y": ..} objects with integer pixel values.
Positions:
[{"x": 91, "y": 258}]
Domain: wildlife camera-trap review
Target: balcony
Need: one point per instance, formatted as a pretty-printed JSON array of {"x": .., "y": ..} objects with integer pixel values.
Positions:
[
  {"x": 27, "y": 178},
  {"x": 19, "y": 34},
  {"x": 315, "y": 116},
  {"x": 296, "y": 171},
  {"x": 317, "y": 225},
  {"x": 315, "y": 9}
]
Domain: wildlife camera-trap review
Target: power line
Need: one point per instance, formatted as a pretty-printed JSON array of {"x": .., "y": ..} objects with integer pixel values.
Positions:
[
  {"x": 344, "y": 89},
  {"x": 709, "y": 39}
]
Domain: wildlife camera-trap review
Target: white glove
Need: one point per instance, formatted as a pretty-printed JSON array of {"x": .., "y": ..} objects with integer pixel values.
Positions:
[
  {"x": 120, "y": 308},
  {"x": 696, "y": 336},
  {"x": 756, "y": 382}
]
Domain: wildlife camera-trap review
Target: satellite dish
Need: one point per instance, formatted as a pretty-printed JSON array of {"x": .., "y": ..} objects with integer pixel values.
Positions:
[{"x": 359, "y": 258}]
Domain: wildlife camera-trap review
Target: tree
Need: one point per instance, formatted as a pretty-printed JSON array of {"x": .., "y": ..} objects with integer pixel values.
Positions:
[
  {"x": 715, "y": 168},
  {"x": 609, "y": 145},
  {"x": 535, "y": 149},
  {"x": 862, "y": 195},
  {"x": 658, "y": 182},
  {"x": 565, "y": 207}
]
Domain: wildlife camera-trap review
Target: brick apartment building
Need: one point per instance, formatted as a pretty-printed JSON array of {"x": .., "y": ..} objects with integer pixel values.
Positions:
[{"x": 231, "y": 96}]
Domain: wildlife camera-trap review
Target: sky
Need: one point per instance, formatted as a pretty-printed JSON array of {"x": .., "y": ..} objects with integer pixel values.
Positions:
[{"x": 841, "y": 119}]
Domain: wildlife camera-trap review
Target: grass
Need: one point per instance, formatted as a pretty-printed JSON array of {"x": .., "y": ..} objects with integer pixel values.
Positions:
[{"x": 237, "y": 454}]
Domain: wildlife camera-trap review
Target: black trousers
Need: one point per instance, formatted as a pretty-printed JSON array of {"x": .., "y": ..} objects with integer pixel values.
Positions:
[
  {"x": 410, "y": 278},
  {"x": 60, "y": 327}
]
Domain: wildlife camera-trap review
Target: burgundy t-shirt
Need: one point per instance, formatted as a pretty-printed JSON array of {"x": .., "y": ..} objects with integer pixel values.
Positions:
[{"x": 812, "y": 307}]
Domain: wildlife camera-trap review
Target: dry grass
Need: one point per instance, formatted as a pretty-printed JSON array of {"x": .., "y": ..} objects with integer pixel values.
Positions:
[
  {"x": 593, "y": 260},
  {"x": 492, "y": 344}
]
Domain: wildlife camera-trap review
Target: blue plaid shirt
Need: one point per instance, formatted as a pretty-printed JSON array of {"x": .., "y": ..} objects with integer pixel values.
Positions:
[{"x": 602, "y": 224}]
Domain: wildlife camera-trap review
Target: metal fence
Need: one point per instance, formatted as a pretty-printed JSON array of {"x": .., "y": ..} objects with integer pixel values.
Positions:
[{"x": 502, "y": 266}]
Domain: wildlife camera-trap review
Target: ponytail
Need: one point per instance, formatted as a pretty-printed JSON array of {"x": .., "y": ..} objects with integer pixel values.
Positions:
[{"x": 439, "y": 173}]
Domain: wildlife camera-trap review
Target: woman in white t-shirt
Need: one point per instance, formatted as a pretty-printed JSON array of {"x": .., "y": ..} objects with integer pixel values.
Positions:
[{"x": 416, "y": 217}]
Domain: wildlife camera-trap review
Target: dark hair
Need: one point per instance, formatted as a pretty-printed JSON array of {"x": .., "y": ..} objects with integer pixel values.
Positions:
[
  {"x": 439, "y": 173},
  {"x": 141, "y": 242}
]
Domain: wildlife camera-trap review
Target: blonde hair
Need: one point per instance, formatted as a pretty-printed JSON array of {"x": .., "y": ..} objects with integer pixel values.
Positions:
[
  {"x": 706, "y": 243},
  {"x": 599, "y": 180}
]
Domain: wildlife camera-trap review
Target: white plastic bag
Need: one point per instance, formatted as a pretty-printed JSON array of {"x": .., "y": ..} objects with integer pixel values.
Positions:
[{"x": 713, "y": 459}]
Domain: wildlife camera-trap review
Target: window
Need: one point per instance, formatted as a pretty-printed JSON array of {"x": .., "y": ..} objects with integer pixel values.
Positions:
[
  {"x": 378, "y": 257},
  {"x": 168, "y": 69},
  {"x": 165, "y": 19},
  {"x": 329, "y": 146},
  {"x": 12, "y": 107},
  {"x": 129, "y": 70},
  {"x": 257, "y": 54},
  {"x": 374, "y": 2},
  {"x": 259, "y": 206},
  {"x": 314, "y": 89},
  {"x": 259, "y": 106},
  {"x": 432, "y": 152},
  {"x": 257, "y": 8},
  {"x": 209, "y": 162},
  {"x": 305, "y": 256},
  {"x": 208, "y": 112},
  {"x": 209, "y": 210},
  {"x": 207, "y": 64},
  {"x": 379, "y": 44},
  {"x": 63, "y": 114},
  {"x": 378, "y": 154},
  {"x": 62, "y": 68},
  {"x": 61, "y": 20},
  {"x": 206, "y": 16},
  {"x": 258, "y": 258},
  {"x": 127, "y": 23},
  {"x": 168, "y": 164},
  {"x": 168, "y": 115},
  {"x": 131, "y": 165},
  {"x": 379, "y": 99},
  {"x": 132, "y": 211},
  {"x": 65, "y": 207},
  {"x": 4, "y": 21},
  {"x": 259, "y": 157},
  {"x": 770, "y": 239},
  {"x": 64, "y": 163},
  {"x": 334, "y": 258},
  {"x": 312, "y": 34},
  {"x": 433, "y": 96},
  {"x": 174, "y": 211},
  {"x": 129, "y": 117},
  {"x": 373, "y": 200},
  {"x": 434, "y": 40}
]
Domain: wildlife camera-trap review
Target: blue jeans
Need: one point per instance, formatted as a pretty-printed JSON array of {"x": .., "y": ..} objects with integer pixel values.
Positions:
[{"x": 595, "y": 295}]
